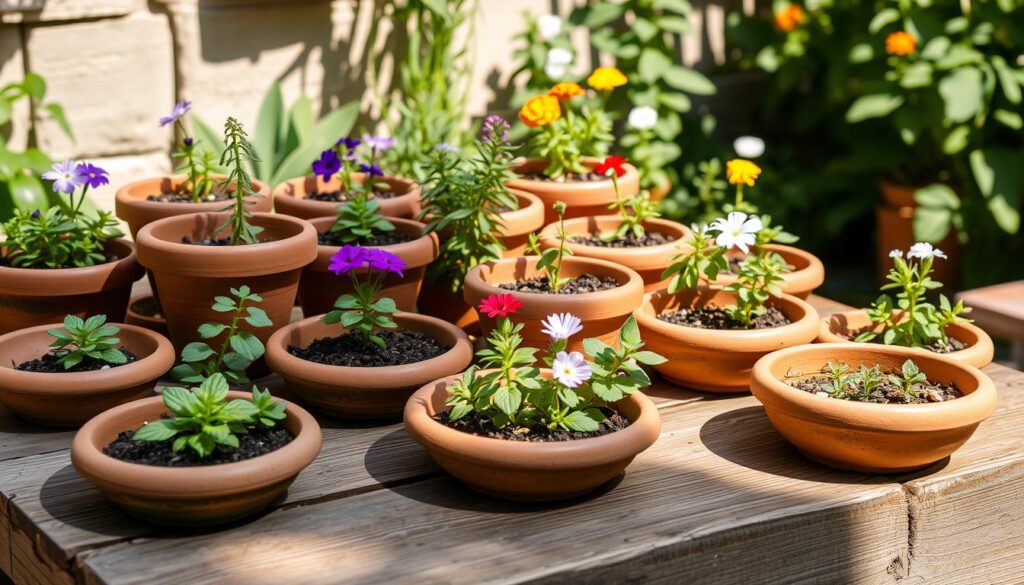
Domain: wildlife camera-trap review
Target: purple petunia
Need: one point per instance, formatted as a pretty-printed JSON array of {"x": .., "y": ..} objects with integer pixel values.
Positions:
[
  {"x": 94, "y": 175},
  {"x": 327, "y": 164},
  {"x": 371, "y": 170},
  {"x": 379, "y": 144},
  {"x": 180, "y": 109},
  {"x": 66, "y": 177},
  {"x": 347, "y": 259},
  {"x": 385, "y": 261},
  {"x": 348, "y": 143}
]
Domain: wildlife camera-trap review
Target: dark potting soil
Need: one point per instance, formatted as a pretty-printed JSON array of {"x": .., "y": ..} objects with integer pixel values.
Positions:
[
  {"x": 715, "y": 318},
  {"x": 186, "y": 198},
  {"x": 348, "y": 349},
  {"x": 258, "y": 440},
  {"x": 208, "y": 241},
  {"x": 48, "y": 362},
  {"x": 887, "y": 392},
  {"x": 338, "y": 196},
  {"x": 7, "y": 263},
  {"x": 474, "y": 424},
  {"x": 630, "y": 240},
  {"x": 573, "y": 178},
  {"x": 578, "y": 285},
  {"x": 376, "y": 240},
  {"x": 952, "y": 343}
]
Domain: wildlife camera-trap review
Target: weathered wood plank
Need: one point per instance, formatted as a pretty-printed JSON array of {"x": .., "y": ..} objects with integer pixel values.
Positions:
[
  {"x": 5, "y": 539},
  {"x": 20, "y": 439}
]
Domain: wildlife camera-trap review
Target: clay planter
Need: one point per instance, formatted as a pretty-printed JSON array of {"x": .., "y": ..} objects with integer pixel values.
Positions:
[
  {"x": 35, "y": 296},
  {"x": 867, "y": 437},
  {"x": 319, "y": 287},
  {"x": 140, "y": 313},
  {"x": 131, "y": 204},
  {"x": 582, "y": 198},
  {"x": 527, "y": 471},
  {"x": 290, "y": 197},
  {"x": 364, "y": 393},
  {"x": 649, "y": 261},
  {"x": 837, "y": 327},
  {"x": 191, "y": 496},
  {"x": 808, "y": 272},
  {"x": 602, "y": 313},
  {"x": 70, "y": 399},
  {"x": 520, "y": 223},
  {"x": 189, "y": 276},
  {"x": 717, "y": 360},
  {"x": 659, "y": 192}
]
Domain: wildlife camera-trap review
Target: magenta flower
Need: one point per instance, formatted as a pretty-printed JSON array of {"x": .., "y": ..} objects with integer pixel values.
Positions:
[
  {"x": 327, "y": 165},
  {"x": 66, "y": 177},
  {"x": 385, "y": 261},
  {"x": 371, "y": 170},
  {"x": 94, "y": 175},
  {"x": 379, "y": 144},
  {"x": 347, "y": 259},
  {"x": 180, "y": 109}
]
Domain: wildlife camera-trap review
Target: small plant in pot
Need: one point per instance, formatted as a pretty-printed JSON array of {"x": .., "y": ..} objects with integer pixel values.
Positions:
[
  {"x": 63, "y": 376},
  {"x": 567, "y": 138},
  {"x": 196, "y": 457},
  {"x": 711, "y": 334},
  {"x": 64, "y": 260},
  {"x": 599, "y": 292},
  {"x": 349, "y": 171},
  {"x": 519, "y": 432},
  {"x": 197, "y": 257},
  {"x": 635, "y": 236},
  {"x": 911, "y": 320},
  {"x": 871, "y": 407},
  {"x": 364, "y": 358}
]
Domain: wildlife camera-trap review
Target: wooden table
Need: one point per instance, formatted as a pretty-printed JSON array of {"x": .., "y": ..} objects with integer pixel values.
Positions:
[
  {"x": 720, "y": 498},
  {"x": 999, "y": 310}
]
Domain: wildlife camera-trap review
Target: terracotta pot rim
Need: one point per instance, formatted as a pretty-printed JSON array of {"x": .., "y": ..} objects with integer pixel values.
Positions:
[
  {"x": 626, "y": 277},
  {"x": 123, "y": 195},
  {"x": 661, "y": 226},
  {"x": 966, "y": 410},
  {"x": 813, "y": 273},
  {"x": 197, "y": 481},
  {"x": 410, "y": 186},
  {"x": 140, "y": 316},
  {"x": 588, "y": 161},
  {"x": 530, "y": 215},
  {"x": 150, "y": 367},
  {"x": 29, "y": 281},
  {"x": 411, "y": 251}
]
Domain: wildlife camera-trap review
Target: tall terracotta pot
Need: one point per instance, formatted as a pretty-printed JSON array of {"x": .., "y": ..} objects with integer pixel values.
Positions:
[
  {"x": 582, "y": 198},
  {"x": 291, "y": 197}
]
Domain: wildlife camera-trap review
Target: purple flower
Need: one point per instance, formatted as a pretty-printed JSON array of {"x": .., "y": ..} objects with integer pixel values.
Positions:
[
  {"x": 36, "y": 214},
  {"x": 371, "y": 170},
  {"x": 348, "y": 258},
  {"x": 385, "y": 261},
  {"x": 348, "y": 143},
  {"x": 66, "y": 177},
  {"x": 180, "y": 109},
  {"x": 327, "y": 165},
  {"x": 379, "y": 144},
  {"x": 447, "y": 147},
  {"x": 493, "y": 125},
  {"x": 94, "y": 175},
  {"x": 187, "y": 141}
]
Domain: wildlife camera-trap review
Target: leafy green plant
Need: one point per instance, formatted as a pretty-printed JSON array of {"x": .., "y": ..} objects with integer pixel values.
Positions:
[
  {"x": 238, "y": 151},
  {"x": 204, "y": 417},
  {"x": 867, "y": 379},
  {"x": 699, "y": 259},
  {"x": 90, "y": 338},
  {"x": 839, "y": 378},
  {"x": 358, "y": 218},
  {"x": 910, "y": 379},
  {"x": 365, "y": 311},
  {"x": 632, "y": 211},
  {"x": 238, "y": 348},
  {"x": 758, "y": 280},
  {"x": 551, "y": 259}
]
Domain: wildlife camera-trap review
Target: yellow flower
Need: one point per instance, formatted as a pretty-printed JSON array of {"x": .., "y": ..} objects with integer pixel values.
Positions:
[
  {"x": 789, "y": 17},
  {"x": 606, "y": 78},
  {"x": 900, "y": 43},
  {"x": 540, "y": 111},
  {"x": 742, "y": 172},
  {"x": 566, "y": 90}
]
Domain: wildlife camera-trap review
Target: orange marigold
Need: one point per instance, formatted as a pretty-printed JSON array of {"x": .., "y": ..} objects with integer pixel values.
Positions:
[
  {"x": 606, "y": 78},
  {"x": 540, "y": 111},
  {"x": 789, "y": 17},
  {"x": 566, "y": 90},
  {"x": 900, "y": 43}
]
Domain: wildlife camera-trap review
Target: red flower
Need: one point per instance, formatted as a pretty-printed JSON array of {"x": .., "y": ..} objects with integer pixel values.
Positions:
[
  {"x": 611, "y": 163},
  {"x": 500, "y": 305}
]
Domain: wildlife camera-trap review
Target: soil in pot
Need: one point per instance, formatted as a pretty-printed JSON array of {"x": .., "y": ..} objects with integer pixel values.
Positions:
[
  {"x": 952, "y": 344},
  {"x": 629, "y": 240},
  {"x": 180, "y": 197},
  {"x": 577, "y": 285},
  {"x": 349, "y": 349},
  {"x": 339, "y": 197},
  {"x": 716, "y": 318},
  {"x": 257, "y": 440},
  {"x": 588, "y": 177},
  {"x": 50, "y": 363},
  {"x": 888, "y": 392},
  {"x": 475, "y": 424},
  {"x": 376, "y": 240}
]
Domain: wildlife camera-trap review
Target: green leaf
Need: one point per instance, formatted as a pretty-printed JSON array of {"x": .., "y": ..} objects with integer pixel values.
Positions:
[
  {"x": 177, "y": 400},
  {"x": 956, "y": 140},
  {"x": 257, "y": 317},
  {"x": 653, "y": 65},
  {"x": 679, "y": 102},
  {"x": 1007, "y": 79},
  {"x": 27, "y": 192},
  {"x": 334, "y": 125},
  {"x": 211, "y": 330},
  {"x": 34, "y": 85},
  {"x": 690, "y": 80},
  {"x": 508, "y": 399},
  {"x": 649, "y": 357},
  {"x": 266, "y": 136},
  {"x": 675, "y": 24},
  {"x": 932, "y": 224},
  {"x": 160, "y": 430},
  {"x": 630, "y": 332},
  {"x": 247, "y": 344},
  {"x": 962, "y": 93},
  {"x": 57, "y": 113},
  {"x": 599, "y": 15},
  {"x": 861, "y": 53},
  {"x": 196, "y": 351},
  {"x": 302, "y": 121},
  {"x": 208, "y": 138},
  {"x": 937, "y": 195},
  {"x": 584, "y": 420},
  {"x": 874, "y": 105},
  {"x": 217, "y": 386},
  {"x": 999, "y": 174},
  {"x": 882, "y": 19}
]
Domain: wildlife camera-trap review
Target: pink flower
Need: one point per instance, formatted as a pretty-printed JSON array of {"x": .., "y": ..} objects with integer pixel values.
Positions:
[{"x": 500, "y": 305}]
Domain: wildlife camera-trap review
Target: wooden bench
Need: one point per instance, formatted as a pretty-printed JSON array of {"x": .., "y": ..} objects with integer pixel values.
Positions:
[
  {"x": 999, "y": 310},
  {"x": 720, "y": 498}
]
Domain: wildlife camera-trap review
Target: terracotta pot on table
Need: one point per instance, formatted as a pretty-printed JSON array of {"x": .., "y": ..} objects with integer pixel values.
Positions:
[{"x": 582, "y": 198}]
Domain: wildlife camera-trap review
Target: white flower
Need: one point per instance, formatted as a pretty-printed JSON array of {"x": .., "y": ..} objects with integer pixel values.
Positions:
[
  {"x": 643, "y": 117},
  {"x": 561, "y": 326},
  {"x": 924, "y": 250},
  {"x": 736, "y": 231},
  {"x": 557, "y": 63},
  {"x": 549, "y": 26},
  {"x": 570, "y": 369},
  {"x": 748, "y": 146},
  {"x": 896, "y": 253}
]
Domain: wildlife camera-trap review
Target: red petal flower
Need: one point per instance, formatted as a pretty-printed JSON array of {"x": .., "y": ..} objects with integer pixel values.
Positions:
[
  {"x": 611, "y": 163},
  {"x": 500, "y": 305}
]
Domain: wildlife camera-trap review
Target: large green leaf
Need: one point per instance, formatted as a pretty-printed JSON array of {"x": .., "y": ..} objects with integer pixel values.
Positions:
[
  {"x": 999, "y": 173},
  {"x": 302, "y": 120},
  {"x": 27, "y": 192},
  {"x": 874, "y": 105},
  {"x": 336, "y": 124},
  {"x": 686, "y": 79},
  {"x": 932, "y": 224},
  {"x": 962, "y": 93},
  {"x": 266, "y": 137},
  {"x": 652, "y": 65},
  {"x": 57, "y": 113}
]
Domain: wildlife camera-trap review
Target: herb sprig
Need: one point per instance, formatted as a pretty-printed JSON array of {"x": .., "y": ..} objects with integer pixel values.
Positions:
[{"x": 89, "y": 338}]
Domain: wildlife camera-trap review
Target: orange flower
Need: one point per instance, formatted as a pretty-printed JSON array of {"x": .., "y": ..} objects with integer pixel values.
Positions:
[
  {"x": 540, "y": 111},
  {"x": 789, "y": 17},
  {"x": 900, "y": 43},
  {"x": 606, "y": 78},
  {"x": 566, "y": 90}
]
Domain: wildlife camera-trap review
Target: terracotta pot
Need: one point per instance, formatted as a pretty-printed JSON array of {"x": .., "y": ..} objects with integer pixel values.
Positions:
[
  {"x": 370, "y": 393},
  {"x": 438, "y": 300},
  {"x": 131, "y": 203},
  {"x": 867, "y": 437},
  {"x": 141, "y": 314},
  {"x": 895, "y": 226},
  {"x": 658, "y": 193},
  {"x": 319, "y": 287},
  {"x": 581, "y": 198},
  {"x": 191, "y": 496},
  {"x": 715, "y": 360},
  {"x": 602, "y": 313},
  {"x": 290, "y": 197},
  {"x": 838, "y": 328},
  {"x": 189, "y": 276},
  {"x": 808, "y": 272},
  {"x": 520, "y": 223},
  {"x": 530, "y": 471},
  {"x": 70, "y": 399},
  {"x": 649, "y": 261},
  {"x": 35, "y": 296}
]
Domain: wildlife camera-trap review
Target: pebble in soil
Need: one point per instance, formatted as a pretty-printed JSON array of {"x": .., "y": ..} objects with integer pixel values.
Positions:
[
  {"x": 715, "y": 318},
  {"x": 186, "y": 198},
  {"x": 257, "y": 440},
  {"x": 629, "y": 240},
  {"x": 376, "y": 240},
  {"x": 888, "y": 392},
  {"x": 337, "y": 196},
  {"x": 475, "y": 424},
  {"x": 952, "y": 344},
  {"x": 349, "y": 350},
  {"x": 49, "y": 364},
  {"x": 569, "y": 178},
  {"x": 577, "y": 285}
]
